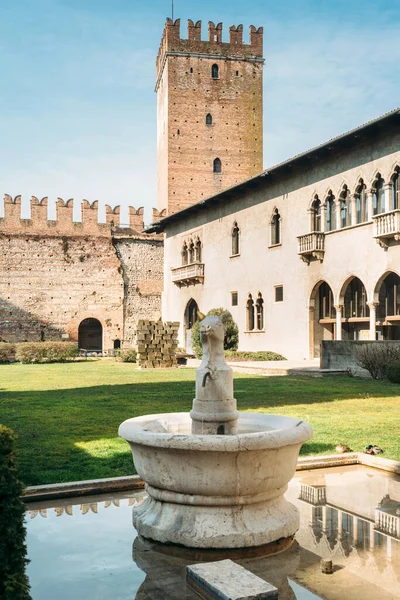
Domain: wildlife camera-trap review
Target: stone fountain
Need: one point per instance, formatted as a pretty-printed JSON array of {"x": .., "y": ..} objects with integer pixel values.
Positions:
[{"x": 216, "y": 478}]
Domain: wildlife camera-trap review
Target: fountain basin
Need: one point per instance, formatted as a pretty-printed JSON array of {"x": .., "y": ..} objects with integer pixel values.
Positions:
[{"x": 216, "y": 491}]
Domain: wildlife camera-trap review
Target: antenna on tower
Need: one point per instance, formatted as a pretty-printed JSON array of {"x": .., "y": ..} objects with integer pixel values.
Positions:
[{"x": 172, "y": 10}]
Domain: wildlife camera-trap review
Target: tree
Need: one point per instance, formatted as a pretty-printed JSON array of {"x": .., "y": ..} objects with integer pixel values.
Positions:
[{"x": 231, "y": 340}]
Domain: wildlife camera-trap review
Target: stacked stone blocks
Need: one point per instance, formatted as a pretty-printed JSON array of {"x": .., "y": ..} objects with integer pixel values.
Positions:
[{"x": 157, "y": 343}]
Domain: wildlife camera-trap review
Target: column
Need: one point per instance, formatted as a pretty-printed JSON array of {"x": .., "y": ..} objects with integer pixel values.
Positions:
[
  {"x": 370, "y": 204},
  {"x": 338, "y": 216},
  {"x": 355, "y": 530},
  {"x": 353, "y": 204},
  {"x": 325, "y": 519},
  {"x": 339, "y": 308},
  {"x": 372, "y": 320},
  {"x": 371, "y": 536},
  {"x": 340, "y": 525},
  {"x": 388, "y": 200},
  {"x": 323, "y": 217}
]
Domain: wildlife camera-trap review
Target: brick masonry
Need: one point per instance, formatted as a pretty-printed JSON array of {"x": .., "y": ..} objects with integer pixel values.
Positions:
[
  {"x": 54, "y": 274},
  {"x": 187, "y": 93},
  {"x": 157, "y": 343}
]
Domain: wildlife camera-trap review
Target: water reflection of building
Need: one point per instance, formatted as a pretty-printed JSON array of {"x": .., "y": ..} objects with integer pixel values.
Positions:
[
  {"x": 353, "y": 525},
  {"x": 85, "y": 508}
]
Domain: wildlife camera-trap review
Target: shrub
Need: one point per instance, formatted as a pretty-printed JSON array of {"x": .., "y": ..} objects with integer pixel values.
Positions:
[
  {"x": 393, "y": 371},
  {"x": 14, "y": 584},
  {"x": 45, "y": 352},
  {"x": 129, "y": 356},
  {"x": 376, "y": 356},
  {"x": 231, "y": 340},
  {"x": 7, "y": 352},
  {"x": 256, "y": 356}
]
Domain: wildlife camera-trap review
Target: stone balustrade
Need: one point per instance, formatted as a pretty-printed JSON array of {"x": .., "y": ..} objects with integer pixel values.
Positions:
[
  {"x": 386, "y": 226},
  {"x": 188, "y": 274},
  {"x": 312, "y": 245}
]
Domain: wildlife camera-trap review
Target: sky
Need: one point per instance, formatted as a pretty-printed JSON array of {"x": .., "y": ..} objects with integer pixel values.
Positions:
[{"x": 77, "y": 101}]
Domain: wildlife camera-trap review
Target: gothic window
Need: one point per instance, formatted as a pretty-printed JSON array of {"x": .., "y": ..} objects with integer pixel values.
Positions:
[
  {"x": 316, "y": 215},
  {"x": 325, "y": 299},
  {"x": 260, "y": 312},
  {"x": 217, "y": 166},
  {"x": 198, "y": 250},
  {"x": 191, "y": 253},
  {"x": 345, "y": 208},
  {"x": 276, "y": 228},
  {"x": 208, "y": 119},
  {"x": 330, "y": 212},
  {"x": 361, "y": 202},
  {"x": 379, "y": 196},
  {"x": 250, "y": 313},
  {"x": 395, "y": 189},
  {"x": 185, "y": 254},
  {"x": 215, "y": 72},
  {"x": 235, "y": 239}
]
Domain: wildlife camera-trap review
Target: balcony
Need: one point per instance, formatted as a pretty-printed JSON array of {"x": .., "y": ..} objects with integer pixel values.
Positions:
[
  {"x": 312, "y": 245},
  {"x": 386, "y": 227},
  {"x": 188, "y": 274}
]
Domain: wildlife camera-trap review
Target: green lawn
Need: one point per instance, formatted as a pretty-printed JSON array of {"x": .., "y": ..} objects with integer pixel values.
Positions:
[{"x": 67, "y": 415}]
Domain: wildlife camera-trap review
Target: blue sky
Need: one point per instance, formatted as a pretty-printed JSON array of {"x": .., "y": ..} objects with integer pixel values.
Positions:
[{"x": 78, "y": 108}]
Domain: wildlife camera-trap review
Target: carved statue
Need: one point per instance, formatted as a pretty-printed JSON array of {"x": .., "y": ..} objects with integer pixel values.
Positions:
[{"x": 212, "y": 334}]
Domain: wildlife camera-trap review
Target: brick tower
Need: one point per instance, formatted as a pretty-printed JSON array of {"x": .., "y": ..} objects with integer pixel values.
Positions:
[{"x": 209, "y": 112}]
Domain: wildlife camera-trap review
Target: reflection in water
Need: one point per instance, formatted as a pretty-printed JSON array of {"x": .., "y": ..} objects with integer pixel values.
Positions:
[{"x": 350, "y": 514}]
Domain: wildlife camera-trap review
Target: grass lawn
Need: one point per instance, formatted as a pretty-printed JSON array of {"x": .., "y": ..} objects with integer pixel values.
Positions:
[{"x": 67, "y": 415}]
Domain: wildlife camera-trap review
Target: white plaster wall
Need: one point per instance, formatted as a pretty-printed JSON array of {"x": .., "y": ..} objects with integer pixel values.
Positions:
[{"x": 350, "y": 251}]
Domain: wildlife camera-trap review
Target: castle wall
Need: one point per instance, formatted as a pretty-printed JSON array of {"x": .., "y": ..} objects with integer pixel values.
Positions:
[
  {"x": 187, "y": 93},
  {"x": 56, "y": 273}
]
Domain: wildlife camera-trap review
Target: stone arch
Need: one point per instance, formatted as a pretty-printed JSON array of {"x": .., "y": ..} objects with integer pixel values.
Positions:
[
  {"x": 387, "y": 299},
  {"x": 344, "y": 286},
  {"x": 381, "y": 279},
  {"x": 90, "y": 335},
  {"x": 322, "y": 316}
]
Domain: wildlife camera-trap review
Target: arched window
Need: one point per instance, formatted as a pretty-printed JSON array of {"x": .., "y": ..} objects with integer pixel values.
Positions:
[
  {"x": 355, "y": 300},
  {"x": 208, "y": 119},
  {"x": 325, "y": 302},
  {"x": 217, "y": 166},
  {"x": 276, "y": 228},
  {"x": 185, "y": 254},
  {"x": 345, "y": 208},
  {"x": 395, "y": 189},
  {"x": 330, "y": 212},
  {"x": 198, "y": 250},
  {"x": 191, "y": 253},
  {"x": 389, "y": 297},
  {"x": 316, "y": 215},
  {"x": 260, "y": 312},
  {"x": 361, "y": 202},
  {"x": 191, "y": 313},
  {"x": 215, "y": 71},
  {"x": 379, "y": 196},
  {"x": 250, "y": 313},
  {"x": 235, "y": 239}
]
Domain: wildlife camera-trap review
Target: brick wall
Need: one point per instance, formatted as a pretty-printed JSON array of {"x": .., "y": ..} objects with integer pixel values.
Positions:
[{"x": 186, "y": 93}]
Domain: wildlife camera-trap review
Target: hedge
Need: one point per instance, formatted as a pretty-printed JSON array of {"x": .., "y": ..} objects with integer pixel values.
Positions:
[
  {"x": 7, "y": 352},
  {"x": 45, "y": 352},
  {"x": 14, "y": 583}
]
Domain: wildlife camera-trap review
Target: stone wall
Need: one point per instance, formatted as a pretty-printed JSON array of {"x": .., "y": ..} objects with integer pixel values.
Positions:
[
  {"x": 157, "y": 343},
  {"x": 50, "y": 284},
  {"x": 343, "y": 354},
  {"x": 142, "y": 263}
]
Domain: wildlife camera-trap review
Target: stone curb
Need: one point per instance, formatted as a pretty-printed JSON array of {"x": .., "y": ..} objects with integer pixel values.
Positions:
[{"x": 134, "y": 482}]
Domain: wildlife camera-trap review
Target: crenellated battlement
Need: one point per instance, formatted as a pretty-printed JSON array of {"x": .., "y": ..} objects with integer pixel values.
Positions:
[
  {"x": 172, "y": 42},
  {"x": 39, "y": 223}
]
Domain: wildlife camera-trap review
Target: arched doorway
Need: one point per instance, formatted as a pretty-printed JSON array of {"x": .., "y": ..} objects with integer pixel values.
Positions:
[
  {"x": 190, "y": 319},
  {"x": 388, "y": 309},
  {"x": 322, "y": 317},
  {"x": 355, "y": 312},
  {"x": 90, "y": 335}
]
